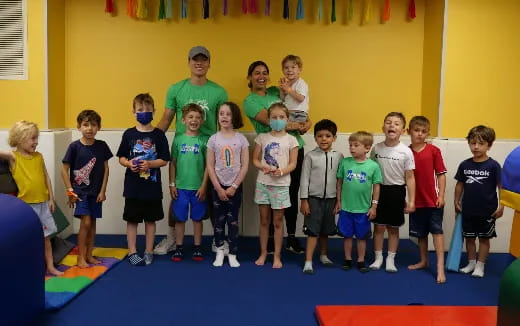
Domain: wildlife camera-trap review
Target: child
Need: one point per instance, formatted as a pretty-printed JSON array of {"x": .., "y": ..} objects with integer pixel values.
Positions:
[
  {"x": 294, "y": 90},
  {"x": 358, "y": 194},
  {"x": 397, "y": 165},
  {"x": 275, "y": 155},
  {"x": 430, "y": 179},
  {"x": 85, "y": 175},
  {"x": 318, "y": 192},
  {"x": 188, "y": 187},
  {"x": 227, "y": 163},
  {"x": 478, "y": 179},
  {"x": 143, "y": 151},
  {"x": 34, "y": 185}
]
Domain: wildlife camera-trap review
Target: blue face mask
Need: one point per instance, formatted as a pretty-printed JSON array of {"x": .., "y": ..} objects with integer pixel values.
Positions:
[
  {"x": 144, "y": 117},
  {"x": 277, "y": 125}
]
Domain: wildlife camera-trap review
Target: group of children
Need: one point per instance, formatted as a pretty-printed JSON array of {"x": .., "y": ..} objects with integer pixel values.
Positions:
[{"x": 362, "y": 189}]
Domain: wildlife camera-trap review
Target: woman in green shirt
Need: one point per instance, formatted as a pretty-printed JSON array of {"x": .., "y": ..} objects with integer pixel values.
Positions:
[{"x": 255, "y": 106}]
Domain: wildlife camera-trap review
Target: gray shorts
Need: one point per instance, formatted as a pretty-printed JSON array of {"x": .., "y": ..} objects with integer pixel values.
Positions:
[
  {"x": 44, "y": 213},
  {"x": 298, "y": 116},
  {"x": 321, "y": 220}
]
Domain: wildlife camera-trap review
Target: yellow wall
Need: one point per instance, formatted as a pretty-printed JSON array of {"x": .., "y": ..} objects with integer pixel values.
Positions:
[
  {"x": 56, "y": 45},
  {"x": 482, "y": 67},
  {"x": 356, "y": 73},
  {"x": 24, "y": 99},
  {"x": 432, "y": 61}
]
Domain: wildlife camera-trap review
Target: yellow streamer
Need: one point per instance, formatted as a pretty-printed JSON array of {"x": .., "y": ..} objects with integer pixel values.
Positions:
[
  {"x": 368, "y": 10},
  {"x": 142, "y": 10}
]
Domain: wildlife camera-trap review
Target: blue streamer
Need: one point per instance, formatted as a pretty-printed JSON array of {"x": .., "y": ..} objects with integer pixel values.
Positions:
[
  {"x": 299, "y": 10},
  {"x": 168, "y": 9},
  {"x": 184, "y": 9},
  {"x": 453, "y": 258},
  {"x": 286, "y": 9},
  {"x": 205, "y": 9}
]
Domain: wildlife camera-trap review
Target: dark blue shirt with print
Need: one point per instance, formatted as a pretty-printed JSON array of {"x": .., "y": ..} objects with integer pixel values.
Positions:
[
  {"x": 149, "y": 146},
  {"x": 87, "y": 166},
  {"x": 480, "y": 186}
]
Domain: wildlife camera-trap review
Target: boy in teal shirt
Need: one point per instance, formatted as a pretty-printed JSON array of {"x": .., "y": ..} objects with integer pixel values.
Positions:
[
  {"x": 188, "y": 188},
  {"x": 358, "y": 190}
]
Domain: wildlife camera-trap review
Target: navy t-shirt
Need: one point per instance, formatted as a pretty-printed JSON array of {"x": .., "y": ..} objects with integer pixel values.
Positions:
[
  {"x": 87, "y": 166},
  {"x": 147, "y": 146},
  {"x": 480, "y": 186}
]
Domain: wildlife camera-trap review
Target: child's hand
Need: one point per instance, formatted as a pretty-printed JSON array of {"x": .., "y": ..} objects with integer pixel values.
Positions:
[
  {"x": 201, "y": 193},
  {"x": 101, "y": 197},
  {"x": 134, "y": 165},
  {"x": 337, "y": 208},
  {"x": 304, "y": 207},
  {"x": 440, "y": 202},
  {"x": 144, "y": 165},
  {"x": 230, "y": 191},
  {"x": 73, "y": 197},
  {"x": 266, "y": 169},
  {"x": 372, "y": 213},
  {"x": 458, "y": 208},
  {"x": 222, "y": 194},
  {"x": 499, "y": 212},
  {"x": 410, "y": 208},
  {"x": 52, "y": 206},
  {"x": 284, "y": 84},
  {"x": 173, "y": 192},
  {"x": 277, "y": 172}
]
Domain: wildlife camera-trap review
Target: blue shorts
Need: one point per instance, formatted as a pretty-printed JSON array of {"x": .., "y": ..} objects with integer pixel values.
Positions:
[
  {"x": 88, "y": 206},
  {"x": 350, "y": 224},
  {"x": 187, "y": 204},
  {"x": 426, "y": 220}
]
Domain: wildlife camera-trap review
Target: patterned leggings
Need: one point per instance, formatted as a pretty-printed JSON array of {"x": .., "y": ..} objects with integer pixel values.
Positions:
[{"x": 226, "y": 212}]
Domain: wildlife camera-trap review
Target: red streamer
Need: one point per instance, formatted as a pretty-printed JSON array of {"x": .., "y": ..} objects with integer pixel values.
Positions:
[
  {"x": 130, "y": 8},
  {"x": 411, "y": 9},
  {"x": 244, "y": 6},
  {"x": 386, "y": 11},
  {"x": 253, "y": 7},
  {"x": 109, "y": 6}
]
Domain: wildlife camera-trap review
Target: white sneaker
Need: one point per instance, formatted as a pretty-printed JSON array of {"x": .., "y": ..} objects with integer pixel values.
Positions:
[{"x": 165, "y": 246}]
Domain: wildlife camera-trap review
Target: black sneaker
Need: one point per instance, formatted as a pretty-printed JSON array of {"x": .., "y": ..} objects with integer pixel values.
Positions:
[
  {"x": 177, "y": 254},
  {"x": 293, "y": 245},
  {"x": 362, "y": 268},
  {"x": 197, "y": 254},
  {"x": 347, "y": 264},
  {"x": 136, "y": 260}
]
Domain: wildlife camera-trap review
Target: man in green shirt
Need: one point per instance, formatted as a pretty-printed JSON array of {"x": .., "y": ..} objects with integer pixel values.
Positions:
[{"x": 199, "y": 90}]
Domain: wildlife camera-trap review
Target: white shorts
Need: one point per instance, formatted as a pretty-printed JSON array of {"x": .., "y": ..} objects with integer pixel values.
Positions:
[{"x": 44, "y": 213}]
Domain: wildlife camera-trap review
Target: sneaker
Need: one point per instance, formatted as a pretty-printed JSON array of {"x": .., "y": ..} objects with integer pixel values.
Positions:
[
  {"x": 197, "y": 254},
  {"x": 362, "y": 267},
  {"x": 148, "y": 258},
  {"x": 293, "y": 245},
  {"x": 165, "y": 246},
  {"x": 136, "y": 260},
  {"x": 177, "y": 255},
  {"x": 347, "y": 264}
]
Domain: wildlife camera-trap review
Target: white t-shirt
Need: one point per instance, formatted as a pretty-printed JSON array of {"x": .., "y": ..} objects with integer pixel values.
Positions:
[
  {"x": 300, "y": 87},
  {"x": 394, "y": 162},
  {"x": 275, "y": 152},
  {"x": 228, "y": 155}
]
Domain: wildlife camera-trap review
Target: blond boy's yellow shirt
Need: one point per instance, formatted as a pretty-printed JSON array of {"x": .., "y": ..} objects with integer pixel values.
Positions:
[{"x": 28, "y": 172}]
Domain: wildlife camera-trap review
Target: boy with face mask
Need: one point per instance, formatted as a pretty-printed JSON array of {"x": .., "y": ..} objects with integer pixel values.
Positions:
[{"x": 143, "y": 151}]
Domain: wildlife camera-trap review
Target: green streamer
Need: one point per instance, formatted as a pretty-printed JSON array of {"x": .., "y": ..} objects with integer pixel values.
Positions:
[
  {"x": 350, "y": 10},
  {"x": 320, "y": 10},
  {"x": 333, "y": 13},
  {"x": 162, "y": 10}
]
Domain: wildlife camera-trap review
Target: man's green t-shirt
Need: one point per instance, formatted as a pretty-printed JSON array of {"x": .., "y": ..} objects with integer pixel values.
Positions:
[
  {"x": 255, "y": 103},
  {"x": 190, "y": 155},
  {"x": 358, "y": 179},
  {"x": 209, "y": 96}
]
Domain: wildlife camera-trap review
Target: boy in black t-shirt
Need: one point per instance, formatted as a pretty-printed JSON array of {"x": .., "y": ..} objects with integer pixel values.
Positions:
[
  {"x": 478, "y": 179},
  {"x": 143, "y": 151}
]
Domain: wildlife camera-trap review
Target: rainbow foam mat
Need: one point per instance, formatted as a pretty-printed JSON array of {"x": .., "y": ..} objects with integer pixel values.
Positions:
[{"x": 59, "y": 290}]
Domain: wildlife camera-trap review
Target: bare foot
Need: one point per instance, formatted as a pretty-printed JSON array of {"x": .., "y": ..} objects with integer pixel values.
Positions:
[
  {"x": 419, "y": 265},
  {"x": 441, "y": 277},
  {"x": 94, "y": 261},
  {"x": 53, "y": 271},
  {"x": 277, "y": 263},
  {"x": 82, "y": 263},
  {"x": 261, "y": 260}
]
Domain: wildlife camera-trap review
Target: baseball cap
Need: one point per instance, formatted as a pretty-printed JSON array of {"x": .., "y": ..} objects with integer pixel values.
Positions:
[{"x": 196, "y": 50}]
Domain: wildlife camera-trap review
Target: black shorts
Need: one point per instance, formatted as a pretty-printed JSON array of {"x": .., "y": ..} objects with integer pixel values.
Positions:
[
  {"x": 478, "y": 226},
  {"x": 426, "y": 220},
  {"x": 390, "y": 209},
  {"x": 321, "y": 220},
  {"x": 139, "y": 210}
]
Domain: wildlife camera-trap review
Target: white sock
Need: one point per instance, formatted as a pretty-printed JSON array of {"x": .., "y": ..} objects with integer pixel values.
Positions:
[
  {"x": 378, "y": 262},
  {"x": 479, "y": 269},
  {"x": 390, "y": 262},
  {"x": 324, "y": 260},
  {"x": 307, "y": 266},
  {"x": 171, "y": 233},
  {"x": 469, "y": 267},
  {"x": 219, "y": 258},
  {"x": 233, "y": 262}
]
